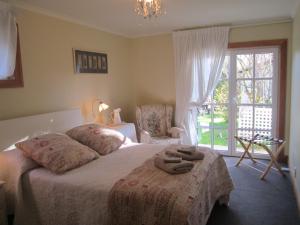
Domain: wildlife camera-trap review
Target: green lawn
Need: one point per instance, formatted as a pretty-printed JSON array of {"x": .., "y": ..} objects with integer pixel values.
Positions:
[{"x": 220, "y": 135}]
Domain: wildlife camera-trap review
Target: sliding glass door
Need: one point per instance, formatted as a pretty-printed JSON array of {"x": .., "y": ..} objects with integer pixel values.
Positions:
[{"x": 244, "y": 102}]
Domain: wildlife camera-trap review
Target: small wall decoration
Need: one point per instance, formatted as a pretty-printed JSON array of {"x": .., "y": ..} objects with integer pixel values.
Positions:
[{"x": 90, "y": 62}]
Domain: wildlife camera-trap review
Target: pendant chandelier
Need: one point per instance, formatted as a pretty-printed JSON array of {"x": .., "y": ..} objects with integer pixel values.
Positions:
[{"x": 148, "y": 8}]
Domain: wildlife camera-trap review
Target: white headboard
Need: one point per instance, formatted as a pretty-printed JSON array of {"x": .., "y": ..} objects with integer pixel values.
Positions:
[{"x": 14, "y": 130}]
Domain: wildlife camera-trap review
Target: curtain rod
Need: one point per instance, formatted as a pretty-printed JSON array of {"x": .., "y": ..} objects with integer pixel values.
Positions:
[{"x": 237, "y": 25}]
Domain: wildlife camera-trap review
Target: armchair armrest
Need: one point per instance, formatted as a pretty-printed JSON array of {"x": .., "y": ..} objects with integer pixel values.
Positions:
[
  {"x": 145, "y": 137},
  {"x": 175, "y": 132}
]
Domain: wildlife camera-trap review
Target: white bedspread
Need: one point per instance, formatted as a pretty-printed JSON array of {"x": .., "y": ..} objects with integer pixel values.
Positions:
[
  {"x": 80, "y": 196},
  {"x": 12, "y": 166},
  {"x": 85, "y": 188}
]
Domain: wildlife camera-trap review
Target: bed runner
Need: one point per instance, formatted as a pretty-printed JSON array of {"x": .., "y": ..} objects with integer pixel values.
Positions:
[{"x": 150, "y": 196}]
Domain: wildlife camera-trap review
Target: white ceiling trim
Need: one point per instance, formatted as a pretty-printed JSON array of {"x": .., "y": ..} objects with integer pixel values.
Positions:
[
  {"x": 246, "y": 23},
  {"x": 297, "y": 6},
  {"x": 29, "y": 7},
  {"x": 233, "y": 25}
]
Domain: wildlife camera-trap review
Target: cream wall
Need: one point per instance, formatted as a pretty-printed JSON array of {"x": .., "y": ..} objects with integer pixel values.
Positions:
[
  {"x": 141, "y": 70},
  {"x": 295, "y": 106},
  {"x": 154, "y": 67},
  {"x": 50, "y": 83}
]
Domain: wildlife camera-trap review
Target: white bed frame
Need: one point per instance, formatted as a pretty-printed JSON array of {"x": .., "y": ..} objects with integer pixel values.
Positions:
[{"x": 14, "y": 130}]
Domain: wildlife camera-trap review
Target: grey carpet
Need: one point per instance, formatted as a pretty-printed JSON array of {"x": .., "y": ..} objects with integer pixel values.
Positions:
[{"x": 257, "y": 202}]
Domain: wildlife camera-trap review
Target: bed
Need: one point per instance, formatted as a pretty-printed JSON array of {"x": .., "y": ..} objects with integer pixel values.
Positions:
[{"x": 113, "y": 189}]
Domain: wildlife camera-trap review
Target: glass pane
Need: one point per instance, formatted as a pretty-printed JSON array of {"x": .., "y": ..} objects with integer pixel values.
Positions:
[
  {"x": 220, "y": 116},
  {"x": 221, "y": 139},
  {"x": 265, "y": 133},
  {"x": 263, "y": 118},
  {"x": 204, "y": 117},
  {"x": 238, "y": 147},
  {"x": 204, "y": 136},
  {"x": 264, "y": 65},
  {"x": 245, "y": 117},
  {"x": 263, "y": 91},
  {"x": 244, "y": 134},
  {"x": 226, "y": 68},
  {"x": 259, "y": 149},
  {"x": 244, "y": 64},
  {"x": 244, "y": 92},
  {"x": 221, "y": 92},
  {"x": 208, "y": 101}
]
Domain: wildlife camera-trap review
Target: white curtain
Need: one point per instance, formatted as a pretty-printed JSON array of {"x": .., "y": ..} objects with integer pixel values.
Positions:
[
  {"x": 199, "y": 57},
  {"x": 8, "y": 41}
]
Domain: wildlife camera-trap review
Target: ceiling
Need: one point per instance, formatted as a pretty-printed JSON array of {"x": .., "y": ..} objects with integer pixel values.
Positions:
[{"x": 118, "y": 16}]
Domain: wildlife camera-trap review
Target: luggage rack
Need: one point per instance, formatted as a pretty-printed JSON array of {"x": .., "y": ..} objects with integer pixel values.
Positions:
[{"x": 262, "y": 141}]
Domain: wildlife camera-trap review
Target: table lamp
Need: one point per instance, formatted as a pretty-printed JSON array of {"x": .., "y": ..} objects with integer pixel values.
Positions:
[{"x": 100, "y": 116}]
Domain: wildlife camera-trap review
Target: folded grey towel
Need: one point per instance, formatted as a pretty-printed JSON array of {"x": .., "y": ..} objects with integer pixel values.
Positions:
[
  {"x": 168, "y": 159},
  {"x": 186, "y": 149},
  {"x": 190, "y": 156},
  {"x": 172, "y": 167}
]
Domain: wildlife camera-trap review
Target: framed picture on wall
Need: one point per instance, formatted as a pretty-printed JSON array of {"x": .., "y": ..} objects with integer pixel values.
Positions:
[{"x": 90, "y": 62}]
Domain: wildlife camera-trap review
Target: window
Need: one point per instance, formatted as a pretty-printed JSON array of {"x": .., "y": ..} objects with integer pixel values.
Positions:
[
  {"x": 16, "y": 79},
  {"x": 246, "y": 99}
]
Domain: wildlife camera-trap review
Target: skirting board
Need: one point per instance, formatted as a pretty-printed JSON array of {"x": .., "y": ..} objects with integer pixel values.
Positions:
[{"x": 295, "y": 191}]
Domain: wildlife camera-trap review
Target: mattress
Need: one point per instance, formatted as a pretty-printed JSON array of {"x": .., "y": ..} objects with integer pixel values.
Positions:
[
  {"x": 80, "y": 196},
  {"x": 85, "y": 188}
]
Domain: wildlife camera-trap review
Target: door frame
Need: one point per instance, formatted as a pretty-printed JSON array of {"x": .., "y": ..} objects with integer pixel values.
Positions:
[
  {"x": 233, "y": 108},
  {"x": 281, "y": 44}
]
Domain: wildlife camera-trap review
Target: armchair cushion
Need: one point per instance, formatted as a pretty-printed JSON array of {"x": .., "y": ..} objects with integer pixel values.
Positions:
[
  {"x": 153, "y": 120},
  {"x": 175, "y": 132},
  {"x": 154, "y": 125},
  {"x": 165, "y": 140},
  {"x": 145, "y": 137},
  {"x": 156, "y": 119}
]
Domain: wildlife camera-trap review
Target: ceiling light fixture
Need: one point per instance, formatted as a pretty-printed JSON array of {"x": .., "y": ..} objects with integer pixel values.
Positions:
[{"x": 148, "y": 8}]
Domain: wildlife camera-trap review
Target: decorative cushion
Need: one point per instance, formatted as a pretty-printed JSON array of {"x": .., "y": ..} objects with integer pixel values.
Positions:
[
  {"x": 100, "y": 139},
  {"x": 57, "y": 152},
  {"x": 154, "y": 119}
]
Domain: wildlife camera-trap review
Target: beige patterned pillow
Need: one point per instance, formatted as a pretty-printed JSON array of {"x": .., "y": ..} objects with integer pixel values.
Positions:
[
  {"x": 102, "y": 140},
  {"x": 57, "y": 152}
]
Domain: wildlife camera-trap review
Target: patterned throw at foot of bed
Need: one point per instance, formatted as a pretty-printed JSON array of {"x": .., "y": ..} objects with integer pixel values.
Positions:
[{"x": 150, "y": 196}]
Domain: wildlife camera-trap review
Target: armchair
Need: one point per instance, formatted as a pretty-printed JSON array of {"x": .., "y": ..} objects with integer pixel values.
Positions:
[{"x": 154, "y": 125}]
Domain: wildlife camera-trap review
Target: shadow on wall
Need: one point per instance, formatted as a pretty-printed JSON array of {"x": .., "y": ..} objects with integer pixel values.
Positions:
[
  {"x": 87, "y": 107},
  {"x": 149, "y": 98},
  {"x": 89, "y": 110},
  {"x": 86, "y": 110}
]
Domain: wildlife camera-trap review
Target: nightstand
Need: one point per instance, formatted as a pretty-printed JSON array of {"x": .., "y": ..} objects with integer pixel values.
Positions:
[
  {"x": 3, "y": 216},
  {"x": 127, "y": 129}
]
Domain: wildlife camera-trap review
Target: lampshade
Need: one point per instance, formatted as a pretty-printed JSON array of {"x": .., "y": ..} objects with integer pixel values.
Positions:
[{"x": 103, "y": 106}]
